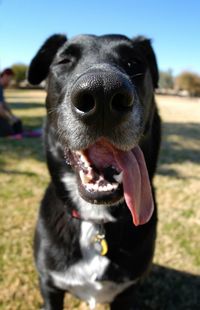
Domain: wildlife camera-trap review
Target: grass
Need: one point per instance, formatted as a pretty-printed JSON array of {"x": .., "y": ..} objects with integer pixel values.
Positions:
[{"x": 174, "y": 282}]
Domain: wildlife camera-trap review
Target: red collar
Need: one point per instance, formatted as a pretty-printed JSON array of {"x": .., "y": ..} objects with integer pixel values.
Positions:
[{"x": 75, "y": 214}]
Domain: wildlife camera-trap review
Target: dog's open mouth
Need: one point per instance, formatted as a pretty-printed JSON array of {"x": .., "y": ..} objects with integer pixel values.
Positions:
[
  {"x": 106, "y": 174},
  {"x": 99, "y": 176}
]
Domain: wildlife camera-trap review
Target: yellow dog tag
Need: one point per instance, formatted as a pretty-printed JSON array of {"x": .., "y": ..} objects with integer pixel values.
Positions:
[{"x": 100, "y": 244}]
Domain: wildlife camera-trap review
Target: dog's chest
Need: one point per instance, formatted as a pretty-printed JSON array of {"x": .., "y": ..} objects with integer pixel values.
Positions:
[{"x": 81, "y": 279}]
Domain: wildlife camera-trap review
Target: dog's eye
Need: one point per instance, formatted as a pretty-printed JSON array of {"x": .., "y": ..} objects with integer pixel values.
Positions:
[
  {"x": 135, "y": 68},
  {"x": 64, "y": 61},
  {"x": 131, "y": 64},
  {"x": 69, "y": 56}
]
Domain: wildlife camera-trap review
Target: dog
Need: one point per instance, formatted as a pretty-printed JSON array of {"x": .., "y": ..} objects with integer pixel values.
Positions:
[{"x": 96, "y": 229}]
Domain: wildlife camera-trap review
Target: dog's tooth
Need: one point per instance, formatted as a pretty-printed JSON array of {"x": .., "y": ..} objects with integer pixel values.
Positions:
[
  {"x": 85, "y": 178},
  {"x": 82, "y": 176},
  {"x": 114, "y": 185},
  {"x": 83, "y": 158},
  {"x": 95, "y": 187},
  {"x": 85, "y": 161},
  {"x": 90, "y": 173},
  {"x": 104, "y": 188},
  {"x": 118, "y": 177},
  {"x": 89, "y": 187},
  {"x": 109, "y": 187}
]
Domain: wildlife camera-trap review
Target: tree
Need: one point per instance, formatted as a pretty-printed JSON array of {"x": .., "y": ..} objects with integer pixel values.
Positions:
[
  {"x": 20, "y": 72},
  {"x": 166, "y": 80},
  {"x": 188, "y": 81}
]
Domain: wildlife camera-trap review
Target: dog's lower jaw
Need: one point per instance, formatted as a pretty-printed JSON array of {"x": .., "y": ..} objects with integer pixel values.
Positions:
[{"x": 88, "y": 211}]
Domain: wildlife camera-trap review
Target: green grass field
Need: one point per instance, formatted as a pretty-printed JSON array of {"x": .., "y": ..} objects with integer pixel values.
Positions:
[{"x": 174, "y": 283}]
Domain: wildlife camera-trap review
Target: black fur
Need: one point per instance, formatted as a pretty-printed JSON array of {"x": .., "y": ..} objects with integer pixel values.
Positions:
[
  {"x": 67, "y": 64},
  {"x": 40, "y": 64}
]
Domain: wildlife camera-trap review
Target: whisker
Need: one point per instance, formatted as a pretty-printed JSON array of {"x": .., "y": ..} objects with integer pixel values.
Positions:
[
  {"x": 137, "y": 74},
  {"x": 52, "y": 110},
  {"x": 60, "y": 133}
]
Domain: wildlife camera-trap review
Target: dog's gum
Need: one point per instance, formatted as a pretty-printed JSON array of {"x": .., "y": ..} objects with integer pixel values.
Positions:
[{"x": 81, "y": 156}]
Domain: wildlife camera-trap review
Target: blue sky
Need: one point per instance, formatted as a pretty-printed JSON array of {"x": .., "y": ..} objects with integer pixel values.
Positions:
[{"x": 173, "y": 25}]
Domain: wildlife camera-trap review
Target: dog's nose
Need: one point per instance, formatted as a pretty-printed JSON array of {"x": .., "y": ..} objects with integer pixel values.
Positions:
[{"x": 104, "y": 95}]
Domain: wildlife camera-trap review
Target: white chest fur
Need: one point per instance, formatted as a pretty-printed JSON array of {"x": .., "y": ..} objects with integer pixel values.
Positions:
[{"x": 81, "y": 279}]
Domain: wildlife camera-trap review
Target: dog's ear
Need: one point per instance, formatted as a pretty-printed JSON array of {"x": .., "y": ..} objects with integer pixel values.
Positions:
[
  {"x": 145, "y": 47},
  {"x": 39, "y": 67}
]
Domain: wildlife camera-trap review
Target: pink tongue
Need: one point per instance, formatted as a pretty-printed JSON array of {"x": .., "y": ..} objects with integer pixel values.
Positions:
[{"x": 137, "y": 189}]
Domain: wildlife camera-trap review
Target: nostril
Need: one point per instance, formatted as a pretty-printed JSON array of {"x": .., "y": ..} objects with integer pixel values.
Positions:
[
  {"x": 85, "y": 103},
  {"x": 121, "y": 102}
]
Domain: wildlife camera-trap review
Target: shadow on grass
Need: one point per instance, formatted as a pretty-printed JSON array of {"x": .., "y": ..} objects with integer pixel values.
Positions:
[
  {"x": 186, "y": 130},
  {"x": 31, "y": 123},
  {"x": 176, "y": 146},
  {"x": 16, "y": 172},
  {"x": 169, "y": 289},
  {"x": 19, "y": 150},
  {"x": 25, "y": 105}
]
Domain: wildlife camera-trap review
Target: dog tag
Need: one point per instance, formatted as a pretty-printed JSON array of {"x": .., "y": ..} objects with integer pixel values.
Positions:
[{"x": 100, "y": 244}]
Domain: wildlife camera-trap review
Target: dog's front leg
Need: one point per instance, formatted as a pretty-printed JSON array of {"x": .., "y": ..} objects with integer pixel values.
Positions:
[{"x": 53, "y": 298}]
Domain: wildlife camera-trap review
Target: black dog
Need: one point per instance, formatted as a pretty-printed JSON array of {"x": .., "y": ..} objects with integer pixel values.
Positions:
[{"x": 97, "y": 223}]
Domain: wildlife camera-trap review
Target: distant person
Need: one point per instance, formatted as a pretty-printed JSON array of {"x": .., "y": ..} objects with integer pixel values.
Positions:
[{"x": 9, "y": 123}]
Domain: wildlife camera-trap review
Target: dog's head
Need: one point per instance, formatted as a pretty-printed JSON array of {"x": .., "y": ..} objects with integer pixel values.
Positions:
[{"x": 99, "y": 102}]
